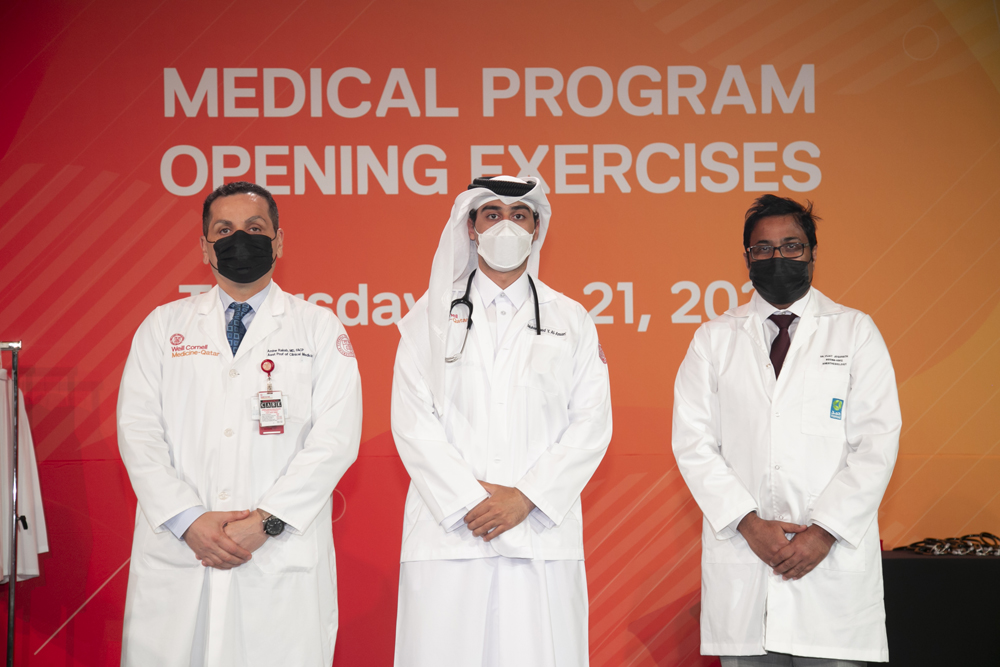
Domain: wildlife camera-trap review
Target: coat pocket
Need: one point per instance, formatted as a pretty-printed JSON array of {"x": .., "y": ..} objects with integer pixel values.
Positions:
[
  {"x": 287, "y": 553},
  {"x": 163, "y": 551},
  {"x": 843, "y": 558},
  {"x": 299, "y": 398},
  {"x": 824, "y": 402},
  {"x": 733, "y": 550},
  {"x": 549, "y": 367}
]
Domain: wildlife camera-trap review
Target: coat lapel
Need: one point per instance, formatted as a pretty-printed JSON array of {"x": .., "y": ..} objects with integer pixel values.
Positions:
[
  {"x": 752, "y": 326},
  {"x": 804, "y": 332},
  {"x": 212, "y": 322},
  {"x": 519, "y": 322},
  {"x": 264, "y": 322}
]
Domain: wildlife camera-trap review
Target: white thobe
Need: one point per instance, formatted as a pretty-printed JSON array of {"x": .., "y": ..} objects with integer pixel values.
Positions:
[{"x": 524, "y": 410}]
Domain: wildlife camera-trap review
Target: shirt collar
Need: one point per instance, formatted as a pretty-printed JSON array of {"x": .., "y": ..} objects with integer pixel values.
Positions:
[
  {"x": 517, "y": 292},
  {"x": 765, "y": 310},
  {"x": 256, "y": 301}
]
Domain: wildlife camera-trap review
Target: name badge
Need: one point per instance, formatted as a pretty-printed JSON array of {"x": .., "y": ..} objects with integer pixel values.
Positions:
[{"x": 272, "y": 413}]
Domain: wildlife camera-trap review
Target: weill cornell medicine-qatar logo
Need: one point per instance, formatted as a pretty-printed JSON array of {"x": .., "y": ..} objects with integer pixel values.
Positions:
[
  {"x": 176, "y": 339},
  {"x": 344, "y": 346}
]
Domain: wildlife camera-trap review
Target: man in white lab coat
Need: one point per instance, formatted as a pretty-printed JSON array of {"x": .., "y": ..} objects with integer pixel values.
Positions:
[
  {"x": 786, "y": 426},
  {"x": 239, "y": 411},
  {"x": 501, "y": 412}
]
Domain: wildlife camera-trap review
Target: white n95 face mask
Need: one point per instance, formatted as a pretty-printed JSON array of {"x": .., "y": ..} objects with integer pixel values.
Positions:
[{"x": 505, "y": 246}]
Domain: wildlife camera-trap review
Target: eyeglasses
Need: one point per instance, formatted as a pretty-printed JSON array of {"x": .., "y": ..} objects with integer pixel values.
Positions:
[{"x": 788, "y": 250}]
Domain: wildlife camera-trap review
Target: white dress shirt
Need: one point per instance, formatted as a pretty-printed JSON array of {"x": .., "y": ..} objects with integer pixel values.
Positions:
[
  {"x": 765, "y": 310},
  {"x": 501, "y": 304}
]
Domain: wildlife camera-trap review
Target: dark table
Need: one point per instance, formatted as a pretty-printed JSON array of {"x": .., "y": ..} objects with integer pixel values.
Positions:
[{"x": 942, "y": 610}]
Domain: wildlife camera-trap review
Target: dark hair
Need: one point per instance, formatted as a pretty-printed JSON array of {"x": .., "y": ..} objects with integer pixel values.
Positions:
[
  {"x": 768, "y": 206},
  {"x": 237, "y": 188}
]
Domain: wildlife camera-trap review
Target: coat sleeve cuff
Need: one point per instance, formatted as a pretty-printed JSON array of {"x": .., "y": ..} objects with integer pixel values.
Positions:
[
  {"x": 729, "y": 531},
  {"x": 540, "y": 521},
  {"x": 456, "y": 519},
  {"x": 840, "y": 535},
  {"x": 179, "y": 523},
  {"x": 827, "y": 528},
  {"x": 541, "y": 505}
]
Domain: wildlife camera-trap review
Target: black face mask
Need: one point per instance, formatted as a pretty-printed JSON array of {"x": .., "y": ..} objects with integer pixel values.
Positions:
[
  {"x": 242, "y": 257},
  {"x": 779, "y": 280}
]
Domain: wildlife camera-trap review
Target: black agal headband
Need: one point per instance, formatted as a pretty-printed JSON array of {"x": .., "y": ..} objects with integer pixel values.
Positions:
[{"x": 502, "y": 188}]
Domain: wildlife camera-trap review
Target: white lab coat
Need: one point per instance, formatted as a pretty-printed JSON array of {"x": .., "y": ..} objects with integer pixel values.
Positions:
[
  {"x": 187, "y": 438},
  {"x": 33, "y": 540},
  {"x": 746, "y": 441},
  {"x": 537, "y": 417}
]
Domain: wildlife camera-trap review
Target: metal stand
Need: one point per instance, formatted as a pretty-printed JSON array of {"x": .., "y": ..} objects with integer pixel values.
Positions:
[{"x": 14, "y": 347}]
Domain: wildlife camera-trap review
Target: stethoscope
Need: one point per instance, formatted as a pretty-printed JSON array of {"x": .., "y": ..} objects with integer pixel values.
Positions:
[{"x": 464, "y": 301}]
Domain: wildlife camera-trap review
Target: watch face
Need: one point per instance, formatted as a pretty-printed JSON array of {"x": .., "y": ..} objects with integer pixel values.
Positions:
[{"x": 273, "y": 525}]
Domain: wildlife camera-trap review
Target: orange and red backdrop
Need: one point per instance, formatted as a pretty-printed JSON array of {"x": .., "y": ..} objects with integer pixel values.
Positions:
[{"x": 654, "y": 123}]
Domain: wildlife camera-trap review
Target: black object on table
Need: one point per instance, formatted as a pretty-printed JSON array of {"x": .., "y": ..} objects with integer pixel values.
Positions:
[{"x": 942, "y": 610}]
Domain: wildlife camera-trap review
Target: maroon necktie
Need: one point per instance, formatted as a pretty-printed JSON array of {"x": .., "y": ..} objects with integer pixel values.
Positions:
[{"x": 779, "y": 348}]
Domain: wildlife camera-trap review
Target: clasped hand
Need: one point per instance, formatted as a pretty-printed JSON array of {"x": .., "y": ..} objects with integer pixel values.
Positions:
[
  {"x": 505, "y": 508},
  {"x": 792, "y": 559},
  {"x": 225, "y": 540}
]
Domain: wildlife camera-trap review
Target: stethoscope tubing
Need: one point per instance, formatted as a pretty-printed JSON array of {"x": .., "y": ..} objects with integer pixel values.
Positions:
[{"x": 465, "y": 301}]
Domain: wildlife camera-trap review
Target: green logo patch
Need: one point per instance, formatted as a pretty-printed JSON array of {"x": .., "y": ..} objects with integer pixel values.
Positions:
[{"x": 837, "y": 408}]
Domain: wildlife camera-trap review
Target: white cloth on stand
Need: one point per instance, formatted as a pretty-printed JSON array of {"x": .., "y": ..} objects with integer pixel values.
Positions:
[{"x": 34, "y": 540}]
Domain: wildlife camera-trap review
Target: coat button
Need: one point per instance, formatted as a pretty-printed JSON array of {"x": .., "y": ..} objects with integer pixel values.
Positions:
[
  {"x": 233, "y": 372},
  {"x": 229, "y": 432},
  {"x": 224, "y": 495},
  {"x": 777, "y": 467}
]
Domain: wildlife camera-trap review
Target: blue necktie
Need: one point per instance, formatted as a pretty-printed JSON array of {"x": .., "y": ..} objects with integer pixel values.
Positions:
[{"x": 235, "y": 329}]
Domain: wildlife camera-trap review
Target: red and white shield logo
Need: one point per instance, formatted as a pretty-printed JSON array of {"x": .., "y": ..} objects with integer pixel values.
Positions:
[
  {"x": 176, "y": 339},
  {"x": 344, "y": 346}
]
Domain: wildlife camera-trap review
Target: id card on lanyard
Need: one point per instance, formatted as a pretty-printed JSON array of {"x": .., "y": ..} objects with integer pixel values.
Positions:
[{"x": 272, "y": 412}]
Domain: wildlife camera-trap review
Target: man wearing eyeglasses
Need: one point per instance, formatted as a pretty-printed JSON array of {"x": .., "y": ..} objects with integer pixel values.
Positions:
[
  {"x": 786, "y": 427},
  {"x": 501, "y": 412}
]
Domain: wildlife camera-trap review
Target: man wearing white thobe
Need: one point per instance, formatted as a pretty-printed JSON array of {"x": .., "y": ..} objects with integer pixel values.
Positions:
[{"x": 501, "y": 413}]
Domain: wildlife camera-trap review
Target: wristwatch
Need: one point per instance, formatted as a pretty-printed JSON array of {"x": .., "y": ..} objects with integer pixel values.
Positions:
[{"x": 273, "y": 525}]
